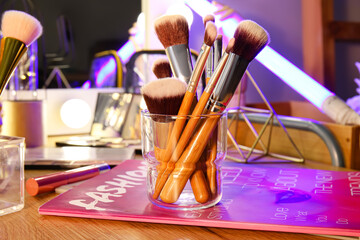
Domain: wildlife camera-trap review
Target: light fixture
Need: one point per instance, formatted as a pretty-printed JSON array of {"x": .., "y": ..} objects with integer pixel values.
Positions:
[{"x": 75, "y": 113}]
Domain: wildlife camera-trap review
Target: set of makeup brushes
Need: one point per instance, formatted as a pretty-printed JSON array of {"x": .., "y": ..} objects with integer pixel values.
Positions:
[{"x": 190, "y": 151}]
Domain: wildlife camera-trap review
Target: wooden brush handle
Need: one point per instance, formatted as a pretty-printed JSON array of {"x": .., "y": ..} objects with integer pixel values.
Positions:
[
  {"x": 211, "y": 83},
  {"x": 211, "y": 169},
  {"x": 198, "y": 181},
  {"x": 169, "y": 165},
  {"x": 186, "y": 165},
  {"x": 172, "y": 141}
]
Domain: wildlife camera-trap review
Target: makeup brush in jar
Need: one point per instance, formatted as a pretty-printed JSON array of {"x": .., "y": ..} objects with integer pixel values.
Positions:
[
  {"x": 173, "y": 33},
  {"x": 210, "y": 60},
  {"x": 19, "y": 31},
  {"x": 250, "y": 39},
  {"x": 190, "y": 95},
  {"x": 161, "y": 68},
  {"x": 163, "y": 97}
]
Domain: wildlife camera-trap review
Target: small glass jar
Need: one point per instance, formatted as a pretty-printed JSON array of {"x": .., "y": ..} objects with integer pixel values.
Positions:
[
  {"x": 12, "y": 154},
  {"x": 184, "y": 156}
]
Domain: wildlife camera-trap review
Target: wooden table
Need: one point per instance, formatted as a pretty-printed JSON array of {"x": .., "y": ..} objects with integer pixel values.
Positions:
[{"x": 29, "y": 224}]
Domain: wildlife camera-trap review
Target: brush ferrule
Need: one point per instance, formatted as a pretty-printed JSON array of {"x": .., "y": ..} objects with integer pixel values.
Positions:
[
  {"x": 12, "y": 51},
  {"x": 210, "y": 63},
  {"x": 180, "y": 61},
  {"x": 217, "y": 51},
  {"x": 230, "y": 77},
  {"x": 217, "y": 73},
  {"x": 199, "y": 68}
]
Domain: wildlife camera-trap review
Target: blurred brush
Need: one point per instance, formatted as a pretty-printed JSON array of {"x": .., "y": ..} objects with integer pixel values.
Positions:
[{"x": 19, "y": 30}]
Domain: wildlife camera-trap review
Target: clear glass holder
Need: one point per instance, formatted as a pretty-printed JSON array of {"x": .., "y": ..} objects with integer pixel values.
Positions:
[{"x": 12, "y": 155}]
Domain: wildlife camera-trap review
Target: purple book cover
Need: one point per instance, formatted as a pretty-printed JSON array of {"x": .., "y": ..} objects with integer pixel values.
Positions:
[{"x": 254, "y": 197}]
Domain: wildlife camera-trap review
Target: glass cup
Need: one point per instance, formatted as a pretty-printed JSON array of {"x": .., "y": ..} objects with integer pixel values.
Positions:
[
  {"x": 12, "y": 154},
  {"x": 188, "y": 176}
]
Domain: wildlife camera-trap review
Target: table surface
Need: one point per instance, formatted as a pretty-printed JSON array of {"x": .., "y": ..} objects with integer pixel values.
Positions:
[{"x": 29, "y": 224}]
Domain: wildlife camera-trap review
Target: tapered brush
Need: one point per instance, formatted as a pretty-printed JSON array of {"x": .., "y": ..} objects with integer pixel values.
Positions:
[
  {"x": 161, "y": 68},
  {"x": 19, "y": 31},
  {"x": 250, "y": 39},
  {"x": 209, "y": 38},
  {"x": 208, "y": 18},
  {"x": 191, "y": 124},
  {"x": 210, "y": 60},
  {"x": 173, "y": 33}
]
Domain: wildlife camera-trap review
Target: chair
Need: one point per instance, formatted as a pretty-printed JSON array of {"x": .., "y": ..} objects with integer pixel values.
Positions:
[
  {"x": 103, "y": 60},
  {"x": 63, "y": 58},
  {"x": 139, "y": 68}
]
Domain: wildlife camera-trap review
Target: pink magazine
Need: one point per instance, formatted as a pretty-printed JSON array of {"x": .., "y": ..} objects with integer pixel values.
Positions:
[{"x": 254, "y": 197}]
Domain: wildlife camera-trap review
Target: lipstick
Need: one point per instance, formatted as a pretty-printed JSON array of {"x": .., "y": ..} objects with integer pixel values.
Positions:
[{"x": 49, "y": 182}]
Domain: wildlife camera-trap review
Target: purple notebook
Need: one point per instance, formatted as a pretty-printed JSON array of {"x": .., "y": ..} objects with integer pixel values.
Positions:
[{"x": 254, "y": 197}]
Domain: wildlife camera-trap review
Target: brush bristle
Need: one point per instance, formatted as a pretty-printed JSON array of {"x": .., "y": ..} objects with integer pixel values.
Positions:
[
  {"x": 21, "y": 26},
  {"x": 161, "y": 68},
  {"x": 229, "y": 48},
  {"x": 250, "y": 39},
  {"x": 172, "y": 30},
  {"x": 208, "y": 18},
  {"x": 164, "y": 96},
  {"x": 219, "y": 37},
  {"x": 210, "y": 33}
]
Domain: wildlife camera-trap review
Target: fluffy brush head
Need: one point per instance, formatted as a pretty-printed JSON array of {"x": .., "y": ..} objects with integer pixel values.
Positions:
[
  {"x": 210, "y": 33},
  {"x": 21, "y": 26},
  {"x": 208, "y": 18},
  {"x": 164, "y": 96},
  {"x": 172, "y": 30},
  {"x": 161, "y": 68},
  {"x": 250, "y": 39}
]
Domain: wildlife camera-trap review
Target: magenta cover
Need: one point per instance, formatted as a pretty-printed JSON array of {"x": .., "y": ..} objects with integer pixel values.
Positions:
[{"x": 254, "y": 197}]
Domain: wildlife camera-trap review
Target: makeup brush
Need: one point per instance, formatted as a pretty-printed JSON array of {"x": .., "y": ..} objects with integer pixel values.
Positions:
[
  {"x": 250, "y": 39},
  {"x": 163, "y": 96},
  {"x": 211, "y": 170},
  {"x": 161, "y": 68},
  {"x": 210, "y": 60},
  {"x": 209, "y": 38},
  {"x": 19, "y": 31},
  {"x": 173, "y": 33}
]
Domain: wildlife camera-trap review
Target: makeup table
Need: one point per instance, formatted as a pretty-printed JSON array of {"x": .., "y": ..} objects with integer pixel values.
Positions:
[{"x": 29, "y": 224}]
